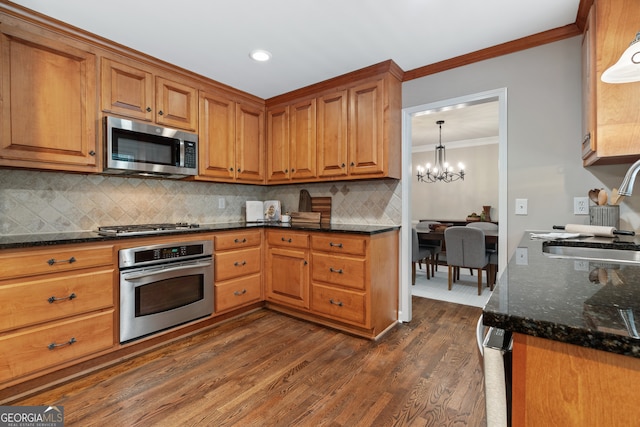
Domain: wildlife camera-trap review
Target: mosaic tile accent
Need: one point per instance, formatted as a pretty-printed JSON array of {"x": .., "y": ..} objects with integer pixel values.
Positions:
[{"x": 43, "y": 202}]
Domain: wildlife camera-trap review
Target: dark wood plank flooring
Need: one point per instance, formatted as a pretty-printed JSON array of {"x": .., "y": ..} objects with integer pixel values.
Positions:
[{"x": 268, "y": 369}]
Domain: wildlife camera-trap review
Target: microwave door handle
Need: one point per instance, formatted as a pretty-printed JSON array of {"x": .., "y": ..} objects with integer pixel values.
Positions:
[{"x": 154, "y": 272}]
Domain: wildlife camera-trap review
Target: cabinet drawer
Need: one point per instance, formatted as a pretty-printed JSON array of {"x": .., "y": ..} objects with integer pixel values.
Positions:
[
  {"x": 339, "y": 243},
  {"x": 53, "y": 259},
  {"x": 237, "y": 292},
  {"x": 47, "y": 346},
  {"x": 237, "y": 240},
  {"x": 339, "y": 270},
  {"x": 33, "y": 301},
  {"x": 288, "y": 239},
  {"x": 237, "y": 263},
  {"x": 341, "y": 304}
]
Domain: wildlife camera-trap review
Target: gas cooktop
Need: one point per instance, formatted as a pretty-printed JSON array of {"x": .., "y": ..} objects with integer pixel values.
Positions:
[{"x": 138, "y": 229}]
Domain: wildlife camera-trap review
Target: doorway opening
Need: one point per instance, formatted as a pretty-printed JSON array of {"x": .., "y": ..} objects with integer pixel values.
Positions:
[{"x": 498, "y": 96}]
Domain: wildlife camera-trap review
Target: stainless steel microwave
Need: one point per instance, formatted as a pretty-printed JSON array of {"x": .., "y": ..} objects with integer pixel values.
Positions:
[{"x": 137, "y": 148}]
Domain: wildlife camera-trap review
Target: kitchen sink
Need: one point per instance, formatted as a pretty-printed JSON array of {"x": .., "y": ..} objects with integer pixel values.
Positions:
[{"x": 599, "y": 253}]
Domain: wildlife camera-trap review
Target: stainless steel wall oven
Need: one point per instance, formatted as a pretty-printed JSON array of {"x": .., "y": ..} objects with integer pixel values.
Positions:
[{"x": 164, "y": 285}]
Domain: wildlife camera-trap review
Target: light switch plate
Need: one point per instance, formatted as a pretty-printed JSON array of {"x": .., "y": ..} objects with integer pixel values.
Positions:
[
  {"x": 521, "y": 206},
  {"x": 221, "y": 203}
]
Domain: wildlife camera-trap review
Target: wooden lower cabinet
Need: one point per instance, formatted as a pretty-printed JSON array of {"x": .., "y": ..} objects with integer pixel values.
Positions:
[
  {"x": 350, "y": 282},
  {"x": 58, "y": 308},
  {"x": 53, "y": 344},
  {"x": 238, "y": 269},
  {"x": 555, "y": 383},
  {"x": 287, "y": 268}
]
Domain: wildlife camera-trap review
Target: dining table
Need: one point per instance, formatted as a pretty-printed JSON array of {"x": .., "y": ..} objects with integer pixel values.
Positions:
[{"x": 490, "y": 237}]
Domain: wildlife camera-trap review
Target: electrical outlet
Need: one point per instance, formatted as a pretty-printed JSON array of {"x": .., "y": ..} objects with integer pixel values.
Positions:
[
  {"x": 581, "y": 206},
  {"x": 221, "y": 203},
  {"x": 521, "y": 206},
  {"x": 522, "y": 256}
]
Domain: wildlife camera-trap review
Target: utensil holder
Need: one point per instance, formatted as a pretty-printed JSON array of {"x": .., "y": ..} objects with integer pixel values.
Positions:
[{"x": 609, "y": 215}]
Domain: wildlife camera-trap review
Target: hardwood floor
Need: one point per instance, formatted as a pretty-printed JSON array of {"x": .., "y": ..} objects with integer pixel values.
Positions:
[{"x": 267, "y": 369}]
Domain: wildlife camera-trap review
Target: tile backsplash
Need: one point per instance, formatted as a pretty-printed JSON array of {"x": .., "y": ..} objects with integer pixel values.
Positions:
[{"x": 42, "y": 202}]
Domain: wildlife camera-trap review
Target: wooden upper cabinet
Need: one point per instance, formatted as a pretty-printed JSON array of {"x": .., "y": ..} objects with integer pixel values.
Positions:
[
  {"x": 231, "y": 140},
  {"x": 366, "y": 144},
  {"x": 302, "y": 136},
  {"x": 126, "y": 90},
  {"x": 217, "y": 137},
  {"x": 291, "y": 140},
  {"x": 612, "y": 111},
  {"x": 332, "y": 134},
  {"x": 48, "y": 106},
  {"x": 250, "y": 143},
  {"x": 342, "y": 129},
  {"x": 278, "y": 168},
  {"x": 135, "y": 92},
  {"x": 176, "y": 104}
]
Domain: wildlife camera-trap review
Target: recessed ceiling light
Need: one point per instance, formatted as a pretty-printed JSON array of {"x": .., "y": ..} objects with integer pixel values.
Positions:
[{"x": 260, "y": 55}]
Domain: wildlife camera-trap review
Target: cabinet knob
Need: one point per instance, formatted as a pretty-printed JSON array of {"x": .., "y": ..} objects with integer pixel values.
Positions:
[
  {"x": 160, "y": 113},
  {"x": 342, "y": 165},
  {"x": 353, "y": 164},
  {"x": 292, "y": 170},
  {"x": 286, "y": 171},
  {"x": 231, "y": 169},
  {"x": 92, "y": 153},
  {"x": 148, "y": 109}
]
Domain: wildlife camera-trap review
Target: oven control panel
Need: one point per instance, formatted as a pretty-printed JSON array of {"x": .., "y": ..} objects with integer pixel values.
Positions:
[{"x": 156, "y": 254}]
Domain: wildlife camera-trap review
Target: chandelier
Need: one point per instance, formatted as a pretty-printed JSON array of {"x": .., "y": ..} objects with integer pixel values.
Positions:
[{"x": 441, "y": 171}]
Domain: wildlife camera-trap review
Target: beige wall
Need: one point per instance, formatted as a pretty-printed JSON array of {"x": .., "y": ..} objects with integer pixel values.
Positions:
[
  {"x": 458, "y": 199},
  {"x": 544, "y": 101}
]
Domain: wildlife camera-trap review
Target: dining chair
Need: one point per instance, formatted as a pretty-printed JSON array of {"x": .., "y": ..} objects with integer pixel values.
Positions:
[
  {"x": 434, "y": 247},
  {"x": 491, "y": 248},
  {"x": 417, "y": 254},
  {"x": 466, "y": 248}
]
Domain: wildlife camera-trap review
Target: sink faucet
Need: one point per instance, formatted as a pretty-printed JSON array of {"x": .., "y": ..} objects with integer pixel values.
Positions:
[{"x": 626, "y": 188}]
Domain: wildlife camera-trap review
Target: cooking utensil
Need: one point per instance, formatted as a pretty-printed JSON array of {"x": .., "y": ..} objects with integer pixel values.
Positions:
[
  {"x": 615, "y": 197},
  {"x": 602, "y": 198},
  {"x": 593, "y": 195},
  {"x": 596, "y": 230}
]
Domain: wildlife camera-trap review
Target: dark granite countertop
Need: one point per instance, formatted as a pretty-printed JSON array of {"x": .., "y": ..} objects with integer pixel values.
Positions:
[
  {"x": 50, "y": 239},
  {"x": 576, "y": 301}
]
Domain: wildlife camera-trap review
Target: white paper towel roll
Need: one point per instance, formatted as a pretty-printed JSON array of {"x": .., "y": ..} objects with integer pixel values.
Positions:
[{"x": 596, "y": 230}]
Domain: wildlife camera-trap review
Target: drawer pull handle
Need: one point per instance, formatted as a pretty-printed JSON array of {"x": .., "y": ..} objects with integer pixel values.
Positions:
[
  {"x": 338, "y": 303},
  {"x": 240, "y": 241},
  {"x": 333, "y": 270},
  {"x": 336, "y": 245},
  {"x": 286, "y": 240},
  {"x": 53, "y": 345},
  {"x": 239, "y": 293},
  {"x": 54, "y": 261},
  {"x": 240, "y": 263},
  {"x": 53, "y": 299}
]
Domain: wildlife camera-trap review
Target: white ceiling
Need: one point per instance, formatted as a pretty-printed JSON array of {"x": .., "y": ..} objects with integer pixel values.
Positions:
[{"x": 311, "y": 40}]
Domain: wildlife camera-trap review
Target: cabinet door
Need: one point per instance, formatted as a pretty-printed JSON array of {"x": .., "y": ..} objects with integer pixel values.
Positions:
[
  {"x": 302, "y": 156},
  {"x": 250, "y": 144},
  {"x": 288, "y": 276},
  {"x": 126, "y": 90},
  {"x": 332, "y": 135},
  {"x": 278, "y": 144},
  {"x": 216, "y": 143},
  {"x": 176, "y": 105},
  {"x": 48, "y": 111},
  {"x": 366, "y": 139}
]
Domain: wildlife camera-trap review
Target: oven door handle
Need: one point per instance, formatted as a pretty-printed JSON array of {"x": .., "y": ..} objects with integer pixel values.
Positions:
[{"x": 147, "y": 273}]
